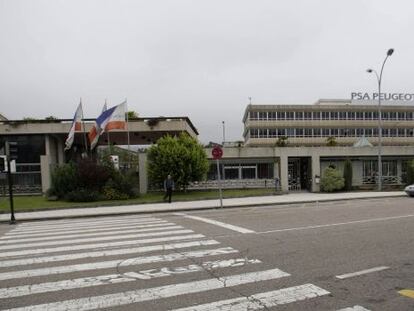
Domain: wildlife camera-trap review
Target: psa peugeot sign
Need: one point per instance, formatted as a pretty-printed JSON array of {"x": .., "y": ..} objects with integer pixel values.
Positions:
[{"x": 383, "y": 96}]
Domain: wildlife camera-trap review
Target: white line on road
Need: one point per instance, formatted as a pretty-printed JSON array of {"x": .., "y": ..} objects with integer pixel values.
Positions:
[
  {"x": 48, "y": 287},
  {"x": 78, "y": 235},
  {"x": 336, "y": 224},
  {"x": 99, "y": 245},
  {"x": 105, "y": 253},
  {"x": 135, "y": 296},
  {"x": 350, "y": 275},
  {"x": 80, "y": 226},
  {"x": 87, "y": 240},
  {"x": 354, "y": 308},
  {"x": 86, "y": 230},
  {"x": 262, "y": 300},
  {"x": 217, "y": 223},
  {"x": 115, "y": 263}
]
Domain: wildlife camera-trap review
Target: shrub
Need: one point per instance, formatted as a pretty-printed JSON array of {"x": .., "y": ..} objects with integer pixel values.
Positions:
[
  {"x": 410, "y": 172},
  {"x": 64, "y": 180},
  {"x": 92, "y": 176},
  {"x": 331, "y": 180},
  {"x": 82, "y": 195},
  {"x": 348, "y": 175}
]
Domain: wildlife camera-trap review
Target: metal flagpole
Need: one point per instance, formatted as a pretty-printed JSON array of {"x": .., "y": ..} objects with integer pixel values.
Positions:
[
  {"x": 107, "y": 132},
  {"x": 84, "y": 130},
  {"x": 127, "y": 128}
]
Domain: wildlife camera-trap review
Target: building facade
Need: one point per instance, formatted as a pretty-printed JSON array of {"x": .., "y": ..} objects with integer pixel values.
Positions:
[{"x": 291, "y": 145}]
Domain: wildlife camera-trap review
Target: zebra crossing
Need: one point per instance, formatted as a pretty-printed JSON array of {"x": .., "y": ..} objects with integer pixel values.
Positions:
[{"x": 90, "y": 264}]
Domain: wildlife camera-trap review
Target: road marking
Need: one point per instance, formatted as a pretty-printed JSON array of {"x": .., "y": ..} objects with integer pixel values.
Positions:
[
  {"x": 115, "y": 263},
  {"x": 262, "y": 300},
  {"x": 141, "y": 295},
  {"x": 94, "y": 225},
  {"x": 362, "y": 272},
  {"x": 48, "y": 287},
  {"x": 105, "y": 253},
  {"x": 70, "y": 231},
  {"x": 98, "y": 246},
  {"x": 71, "y": 236},
  {"x": 354, "y": 308},
  {"x": 217, "y": 223},
  {"x": 106, "y": 238},
  {"x": 407, "y": 293},
  {"x": 336, "y": 224}
]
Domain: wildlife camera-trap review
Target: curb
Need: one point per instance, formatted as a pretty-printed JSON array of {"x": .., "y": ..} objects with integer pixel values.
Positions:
[{"x": 169, "y": 210}]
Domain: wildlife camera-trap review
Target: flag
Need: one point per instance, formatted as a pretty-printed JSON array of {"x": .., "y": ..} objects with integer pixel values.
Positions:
[
  {"x": 117, "y": 119},
  {"x": 108, "y": 120},
  {"x": 76, "y": 126}
]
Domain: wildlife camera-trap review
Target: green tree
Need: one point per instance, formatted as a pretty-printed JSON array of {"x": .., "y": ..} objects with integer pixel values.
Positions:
[
  {"x": 132, "y": 114},
  {"x": 282, "y": 141},
  {"x": 51, "y": 118},
  {"x": 331, "y": 141},
  {"x": 348, "y": 175},
  {"x": 331, "y": 180},
  {"x": 410, "y": 172},
  {"x": 182, "y": 157}
]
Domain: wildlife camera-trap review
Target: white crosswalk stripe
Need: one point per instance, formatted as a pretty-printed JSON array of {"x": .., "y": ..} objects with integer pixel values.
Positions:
[
  {"x": 354, "y": 308},
  {"x": 39, "y": 260}
]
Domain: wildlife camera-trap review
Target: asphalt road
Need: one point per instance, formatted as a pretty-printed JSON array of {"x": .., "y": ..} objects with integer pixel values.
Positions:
[{"x": 356, "y": 254}]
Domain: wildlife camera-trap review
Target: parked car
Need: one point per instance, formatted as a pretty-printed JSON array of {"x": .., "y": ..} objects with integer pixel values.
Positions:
[{"x": 409, "y": 190}]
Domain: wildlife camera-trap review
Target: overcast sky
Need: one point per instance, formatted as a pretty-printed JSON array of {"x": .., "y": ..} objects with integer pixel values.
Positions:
[{"x": 195, "y": 58}]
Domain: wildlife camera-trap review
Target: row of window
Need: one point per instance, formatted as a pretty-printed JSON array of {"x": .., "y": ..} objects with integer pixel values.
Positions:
[
  {"x": 329, "y": 115},
  {"x": 327, "y": 132}
]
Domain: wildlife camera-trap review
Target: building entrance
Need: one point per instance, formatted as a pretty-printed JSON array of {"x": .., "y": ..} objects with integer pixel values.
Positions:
[{"x": 299, "y": 174}]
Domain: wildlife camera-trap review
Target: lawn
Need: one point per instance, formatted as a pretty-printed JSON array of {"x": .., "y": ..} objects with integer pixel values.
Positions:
[{"x": 31, "y": 203}]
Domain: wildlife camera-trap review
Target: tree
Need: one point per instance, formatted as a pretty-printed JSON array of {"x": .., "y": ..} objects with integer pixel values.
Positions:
[
  {"x": 51, "y": 118},
  {"x": 348, "y": 175},
  {"x": 331, "y": 180},
  {"x": 331, "y": 141},
  {"x": 132, "y": 115},
  {"x": 182, "y": 157},
  {"x": 282, "y": 141}
]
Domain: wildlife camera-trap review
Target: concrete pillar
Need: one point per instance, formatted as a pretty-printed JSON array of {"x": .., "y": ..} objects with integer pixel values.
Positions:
[
  {"x": 143, "y": 176},
  {"x": 316, "y": 171},
  {"x": 284, "y": 181},
  {"x": 61, "y": 153},
  {"x": 399, "y": 171},
  {"x": 45, "y": 172}
]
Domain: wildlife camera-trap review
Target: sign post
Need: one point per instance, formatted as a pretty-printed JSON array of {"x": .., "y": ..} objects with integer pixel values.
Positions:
[{"x": 217, "y": 154}]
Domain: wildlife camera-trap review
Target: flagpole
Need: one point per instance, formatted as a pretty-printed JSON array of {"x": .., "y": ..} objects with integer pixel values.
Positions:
[
  {"x": 84, "y": 129},
  {"x": 127, "y": 125},
  {"x": 107, "y": 132}
]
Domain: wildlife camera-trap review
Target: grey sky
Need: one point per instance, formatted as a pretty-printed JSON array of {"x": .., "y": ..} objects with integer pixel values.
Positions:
[{"x": 199, "y": 58}]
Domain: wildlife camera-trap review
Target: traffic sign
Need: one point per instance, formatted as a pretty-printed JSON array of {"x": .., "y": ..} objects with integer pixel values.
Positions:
[{"x": 217, "y": 153}]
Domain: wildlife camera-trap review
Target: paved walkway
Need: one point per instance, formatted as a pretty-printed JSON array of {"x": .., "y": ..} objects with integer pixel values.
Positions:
[{"x": 303, "y": 197}]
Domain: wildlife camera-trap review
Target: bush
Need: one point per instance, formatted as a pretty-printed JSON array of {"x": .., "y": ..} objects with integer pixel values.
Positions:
[
  {"x": 82, "y": 195},
  {"x": 331, "y": 180},
  {"x": 348, "y": 175},
  {"x": 64, "y": 180},
  {"x": 410, "y": 172},
  {"x": 92, "y": 176}
]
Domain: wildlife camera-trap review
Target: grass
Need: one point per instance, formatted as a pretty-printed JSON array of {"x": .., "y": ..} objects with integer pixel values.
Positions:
[{"x": 36, "y": 203}]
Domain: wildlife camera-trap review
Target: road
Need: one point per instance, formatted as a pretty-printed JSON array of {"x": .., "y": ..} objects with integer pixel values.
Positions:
[{"x": 345, "y": 255}]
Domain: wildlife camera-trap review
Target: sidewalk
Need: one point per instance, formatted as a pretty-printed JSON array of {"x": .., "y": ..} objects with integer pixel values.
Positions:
[{"x": 290, "y": 198}]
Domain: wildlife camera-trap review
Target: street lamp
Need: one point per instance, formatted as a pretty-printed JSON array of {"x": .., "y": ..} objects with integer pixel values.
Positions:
[{"x": 379, "y": 78}]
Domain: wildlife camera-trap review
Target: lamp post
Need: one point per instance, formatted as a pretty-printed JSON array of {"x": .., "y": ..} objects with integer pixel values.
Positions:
[{"x": 379, "y": 79}]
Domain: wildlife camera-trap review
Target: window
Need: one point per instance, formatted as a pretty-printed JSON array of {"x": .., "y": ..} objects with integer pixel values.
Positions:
[
  {"x": 385, "y": 132},
  {"x": 392, "y": 115},
  {"x": 299, "y": 132},
  {"x": 254, "y": 115},
  {"x": 263, "y": 133},
  {"x": 401, "y": 116},
  {"x": 342, "y": 115},
  {"x": 326, "y": 132},
  {"x": 334, "y": 115},
  {"x": 308, "y": 132},
  {"x": 375, "y": 115},
  {"x": 308, "y": 115},
  {"x": 343, "y": 132},
  {"x": 299, "y": 115},
  {"x": 317, "y": 132},
  {"x": 401, "y": 132},
  {"x": 369, "y": 168},
  {"x": 335, "y": 132},
  {"x": 385, "y": 115},
  {"x": 290, "y": 115},
  {"x": 248, "y": 172},
  {"x": 254, "y": 133},
  {"x": 325, "y": 115},
  {"x": 351, "y": 115},
  {"x": 281, "y": 132},
  {"x": 265, "y": 170},
  {"x": 281, "y": 115},
  {"x": 316, "y": 115},
  {"x": 290, "y": 132},
  {"x": 409, "y": 115},
  {"x": 389, "y": 168},
  {"x": 359, "y": 132},
  {"x": 262, "y": 115},
  {"x": 368, "y": 132},
  {"x": 368, "y": 115},
  {"x": 393, "y": 132},
  {"x": 271, "y": 115},
  {"x": 272, "y": 132},
  {"x": 359, "y": 116},
  {"x": 231, "y": 172}
]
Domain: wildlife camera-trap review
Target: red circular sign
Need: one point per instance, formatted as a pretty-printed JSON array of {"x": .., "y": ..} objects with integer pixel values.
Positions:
[{"x": 217, "y": 152}]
